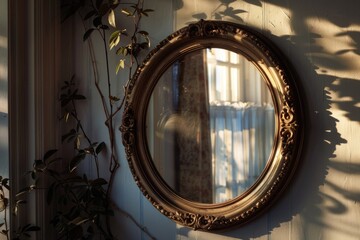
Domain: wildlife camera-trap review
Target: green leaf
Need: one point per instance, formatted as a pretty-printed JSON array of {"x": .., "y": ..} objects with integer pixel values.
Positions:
[
  {"x": 89, "y": 150},
  {"x": 53, "y": 173},
  {"x": 39, "y": 165},
  {"x": 48, "y": 154},
  {"x": 66, "y": 116},
  {"x": 100, "y": 147},
  {"x": 20, "y": 201},
  {"x": 77, "y": 142},
  {"x": 121, "y": 64},
  {"x": 75, "y": 96},
  {"x": 25, "y": 227},
  {"x": 126, "y": 12},
  {"x": 33, "y": 174},
  {"x": 5, "y": 183},
  {"x": 122, "y": 51},
  {"x": 88, "y": 33},
  {"x": 89, "y": 14},
  {"x": 50, "y": 193},
  {"x": 75, "y": 179},
  {"x": 114, "y": 4},
  {"x": 144, "y": 45},
  {"x": 111, "y": 18},
  {"x": 68, "y": 135},
  {"x": 79, "y": 97},
  {"x": 114, "y": 99},
  {"x": 76, "y": 161},
  {"x": 73, "y": 212},
  {"x": 98, "y": 182},
  {"x": 97, "y": 21},
  {"x": 144, "y": 33},
  {"x": 114, "y": 39},
  {"x": 64, "y": 101},
  {"x": 33, "y": 229},
  {"x": 51, "y": 161},
  {"x": 148, "y": 10},
  {"x": 144, "y": 14},
  {"x": 105, "y": 27},
  {"x": 26, "y": 189},
  {"x": 78, "y": 221}
]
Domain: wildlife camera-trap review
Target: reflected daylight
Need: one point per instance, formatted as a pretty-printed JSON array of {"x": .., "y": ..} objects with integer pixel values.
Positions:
[{"x": 210, "y": 125}]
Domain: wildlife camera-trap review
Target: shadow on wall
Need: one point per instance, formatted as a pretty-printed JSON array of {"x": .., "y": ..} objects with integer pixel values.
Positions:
[
  {"x": 317, "y": 81},
  {"x": 221, "y": 11}
]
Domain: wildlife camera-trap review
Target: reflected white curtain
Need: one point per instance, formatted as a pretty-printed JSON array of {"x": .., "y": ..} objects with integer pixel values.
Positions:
[
  {"x": 241, "y": 141},
  {"x": 241, "y": 123}
]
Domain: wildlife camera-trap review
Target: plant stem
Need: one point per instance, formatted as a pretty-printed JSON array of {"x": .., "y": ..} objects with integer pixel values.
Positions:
[
  {"x": 144, "y": 229},
  {"x": 75, "y": 115},
  {"x": 108, "y": 105}
]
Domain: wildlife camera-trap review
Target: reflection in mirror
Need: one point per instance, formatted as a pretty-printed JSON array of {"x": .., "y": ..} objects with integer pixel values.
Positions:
[{"x": 210, "y": 125}]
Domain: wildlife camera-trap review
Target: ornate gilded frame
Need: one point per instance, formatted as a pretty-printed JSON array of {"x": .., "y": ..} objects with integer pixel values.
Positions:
[{"x": 288, "y": 134}]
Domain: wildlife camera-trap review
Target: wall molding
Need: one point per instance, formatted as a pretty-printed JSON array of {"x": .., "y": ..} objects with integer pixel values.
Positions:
[{"x": 34, "y": 28}]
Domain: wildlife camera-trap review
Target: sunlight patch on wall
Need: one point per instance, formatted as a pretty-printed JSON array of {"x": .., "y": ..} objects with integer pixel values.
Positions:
[
  {"x": 3, "y": 42},
  {"x": 337, "y": 51},
  {"x": 277, "y": 20},
  {"x": 3, "y": 131},
  {"x": 3, "y": 84},
  {"x": 185, "y": 233},
  {"x": 251, "y": 14}
]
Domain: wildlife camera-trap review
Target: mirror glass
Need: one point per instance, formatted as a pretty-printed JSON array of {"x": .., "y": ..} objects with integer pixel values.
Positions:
[{"x": 210, "y": 125}]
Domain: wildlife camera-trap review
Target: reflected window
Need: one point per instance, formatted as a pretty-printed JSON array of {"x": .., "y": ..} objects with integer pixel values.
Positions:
[
  {"x": 241, "y": 122},
  {"x": 210, "y": 125}
]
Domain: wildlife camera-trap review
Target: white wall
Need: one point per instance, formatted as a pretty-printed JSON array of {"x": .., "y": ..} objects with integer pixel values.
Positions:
[{"x": 321, "y": 40}]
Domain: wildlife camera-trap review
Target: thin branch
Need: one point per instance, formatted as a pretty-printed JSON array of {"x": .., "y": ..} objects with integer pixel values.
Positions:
[
  {"x": 75, "y": 115},
  {"x": 95, "y": 71},
  {"x": 108, "y": 104},
  {"x": 126, "y": 214}
]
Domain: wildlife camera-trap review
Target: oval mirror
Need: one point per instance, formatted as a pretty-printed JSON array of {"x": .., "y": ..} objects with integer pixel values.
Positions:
[{"x": 212, "y": 125}]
